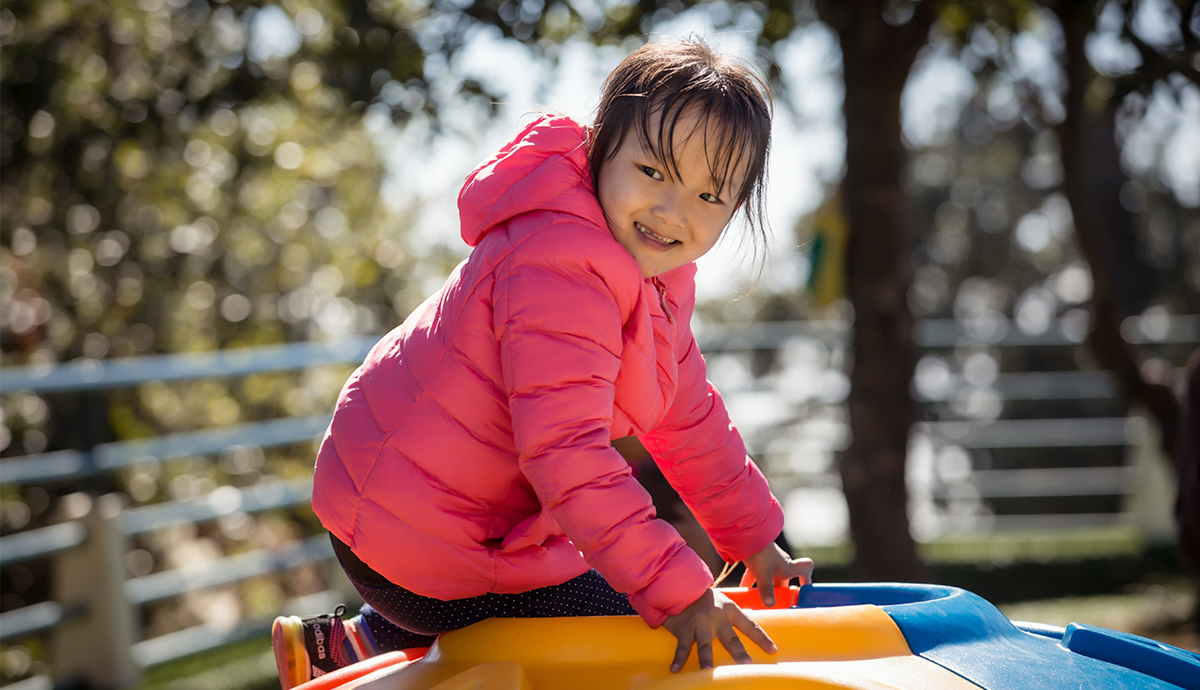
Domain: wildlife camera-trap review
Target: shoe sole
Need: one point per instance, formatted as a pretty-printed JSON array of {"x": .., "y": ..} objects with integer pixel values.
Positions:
[{"x": 291, "y": 660}]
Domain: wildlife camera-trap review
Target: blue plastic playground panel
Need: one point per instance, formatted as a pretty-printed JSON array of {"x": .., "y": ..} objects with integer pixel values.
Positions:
[
  {"x": 1171, "y": 664},
  {"x": 965, "y": 634}
]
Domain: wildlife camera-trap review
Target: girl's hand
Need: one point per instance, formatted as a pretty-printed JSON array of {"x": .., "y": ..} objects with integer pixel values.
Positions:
[
  {"x": 713, "y": 616},
  {"x": 772, "y": 568}
]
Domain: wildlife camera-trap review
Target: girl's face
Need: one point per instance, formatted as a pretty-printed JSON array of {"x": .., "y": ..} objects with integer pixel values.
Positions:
[{"x": 663, "y": 221}]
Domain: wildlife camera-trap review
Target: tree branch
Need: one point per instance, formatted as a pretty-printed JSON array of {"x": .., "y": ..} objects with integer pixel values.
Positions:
[
  {"x": 917, "y": 28},
  {"x": 1087, "y": 141},
  {"x": 1191, "y": 42},
  {"x": 1156, "y": 66}
]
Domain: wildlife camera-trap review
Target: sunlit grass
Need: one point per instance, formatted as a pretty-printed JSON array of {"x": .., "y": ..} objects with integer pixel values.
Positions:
[
  {"x": 1034, "y": 546},
  {"x": 1158, "y": 611},
  {"x": 1006, "y": 547},
  {"x": 246, "y": 665}
]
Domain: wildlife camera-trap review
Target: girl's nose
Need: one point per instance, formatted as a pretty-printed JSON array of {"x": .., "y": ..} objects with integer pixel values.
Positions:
[{"x": 669, "y": 209}]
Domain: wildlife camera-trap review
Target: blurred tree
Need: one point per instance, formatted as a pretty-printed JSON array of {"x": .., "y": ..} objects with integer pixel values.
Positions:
[
  {"x": 183, "y": 175},
  {"x": 880, "y": 40},
  {"x": 879, "y": 43},
  {"x": 164, "y": 155},
  {"x": 1095, "y": 181},
  {"x": 1094, "y": 184},
  {"x": 1087, "y": 101}
]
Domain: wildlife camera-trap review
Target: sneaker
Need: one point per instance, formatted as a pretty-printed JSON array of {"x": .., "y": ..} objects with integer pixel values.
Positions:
[{"x": 309, "y": 647}]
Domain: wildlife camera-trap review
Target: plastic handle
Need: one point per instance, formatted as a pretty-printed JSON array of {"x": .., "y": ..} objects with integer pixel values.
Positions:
[
  {"x": 1155, "y": 659},
  {"x": 747, "y": 598}
]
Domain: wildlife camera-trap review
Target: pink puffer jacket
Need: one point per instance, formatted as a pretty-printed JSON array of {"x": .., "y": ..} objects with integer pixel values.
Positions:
[{"x": 470, "y": 453}]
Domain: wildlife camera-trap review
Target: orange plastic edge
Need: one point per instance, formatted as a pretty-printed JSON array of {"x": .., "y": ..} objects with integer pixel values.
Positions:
[
  {"x": 747, "y": 598},
  {"x": 362, "y": 668}
]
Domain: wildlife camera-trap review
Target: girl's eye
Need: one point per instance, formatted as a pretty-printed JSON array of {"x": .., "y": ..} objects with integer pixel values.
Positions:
[
  {"x": 651, "y": 172},
  {"x": 710, "y": 198}
]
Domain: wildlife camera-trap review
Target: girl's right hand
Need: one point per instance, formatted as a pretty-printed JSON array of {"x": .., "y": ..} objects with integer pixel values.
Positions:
[{"x": 713, "y": 617}]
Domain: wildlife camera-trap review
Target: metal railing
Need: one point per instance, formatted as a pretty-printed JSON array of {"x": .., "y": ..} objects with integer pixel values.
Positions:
[{"x": 91, "y": 618}]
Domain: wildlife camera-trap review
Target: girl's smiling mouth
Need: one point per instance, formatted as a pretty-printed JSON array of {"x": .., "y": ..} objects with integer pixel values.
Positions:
[{"x": 653, "y": 236}]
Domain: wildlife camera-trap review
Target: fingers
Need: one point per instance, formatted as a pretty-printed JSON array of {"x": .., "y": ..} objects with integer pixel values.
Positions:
[
  {"x": 767, "y": 595},
  {"x": 733, "y": 644},
  {"x": 702, "y": 637},
  {"x": 801, "y": 568},
  {"x": 713, "y": 617},
  {"x": 754, "y": 632},
  {"x": 779, "y": 576},
  {"x": 748, "y": 578},
  {"x": 704, "y": 651},
  {"x": 682, "y": 651},
  {"x": 766, "y": 592}
]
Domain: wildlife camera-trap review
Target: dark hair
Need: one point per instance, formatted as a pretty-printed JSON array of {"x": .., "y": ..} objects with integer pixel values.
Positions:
[{"x": 675, "y": 78}]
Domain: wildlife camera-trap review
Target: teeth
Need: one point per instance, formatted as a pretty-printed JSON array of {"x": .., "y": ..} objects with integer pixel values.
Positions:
[{"x": 660, "y": 238}]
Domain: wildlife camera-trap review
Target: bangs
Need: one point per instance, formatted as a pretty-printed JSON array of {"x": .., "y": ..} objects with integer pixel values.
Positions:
[{"x": 729, "y": 140}]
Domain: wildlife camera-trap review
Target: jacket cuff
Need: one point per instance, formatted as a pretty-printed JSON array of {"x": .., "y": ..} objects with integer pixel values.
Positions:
[
  {"x": 763, "y": 536},
  {"x": 672, "y": 591}
]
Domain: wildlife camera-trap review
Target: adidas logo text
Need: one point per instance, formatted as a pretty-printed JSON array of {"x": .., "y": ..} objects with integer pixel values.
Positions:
[{"x": 319, "y": 638}]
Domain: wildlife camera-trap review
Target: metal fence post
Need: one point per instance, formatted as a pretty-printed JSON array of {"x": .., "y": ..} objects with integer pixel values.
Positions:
[
  {"x": 95, "y": 647},
  {"x": 1152, "y": 498}
]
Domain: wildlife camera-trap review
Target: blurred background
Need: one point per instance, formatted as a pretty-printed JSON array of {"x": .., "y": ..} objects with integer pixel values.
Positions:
[{"x": 964, "y": 361}]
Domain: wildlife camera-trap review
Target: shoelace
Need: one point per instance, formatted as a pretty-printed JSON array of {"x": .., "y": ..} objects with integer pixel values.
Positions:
[
  {"x": 337, "y": 635},
  {"x": 725, "y": 572}
]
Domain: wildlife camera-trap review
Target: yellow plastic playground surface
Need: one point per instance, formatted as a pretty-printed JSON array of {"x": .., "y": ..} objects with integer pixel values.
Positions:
[
  {"x": 855, "y": 647},
  {"x": 833, "y": 637}
]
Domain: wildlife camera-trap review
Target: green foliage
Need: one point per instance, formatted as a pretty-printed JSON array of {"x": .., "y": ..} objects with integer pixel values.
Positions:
[
  {"x": 155, "y": 174},
  {"x": 241, "y": 666},
  {"x": 168, "y": 186}
]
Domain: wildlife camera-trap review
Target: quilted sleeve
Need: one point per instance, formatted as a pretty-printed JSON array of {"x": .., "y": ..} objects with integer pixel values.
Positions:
[
  {"x": 702, "y": 455},
  {"x": 558, "y": 317}
]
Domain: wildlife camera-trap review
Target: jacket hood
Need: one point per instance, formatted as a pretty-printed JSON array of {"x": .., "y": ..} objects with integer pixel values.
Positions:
[{"x": 544, "y": 168}]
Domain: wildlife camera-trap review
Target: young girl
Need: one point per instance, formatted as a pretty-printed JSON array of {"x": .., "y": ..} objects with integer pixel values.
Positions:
[{"x": 469, "y": 470}]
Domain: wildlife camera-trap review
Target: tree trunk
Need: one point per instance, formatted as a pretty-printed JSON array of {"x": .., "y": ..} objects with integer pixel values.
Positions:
[
  {"x": 876, "y": 61},
  {"x": 1092, "y": 181}
]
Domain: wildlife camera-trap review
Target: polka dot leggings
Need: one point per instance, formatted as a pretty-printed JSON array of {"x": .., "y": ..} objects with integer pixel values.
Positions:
[{"x": 400, "y": 619}]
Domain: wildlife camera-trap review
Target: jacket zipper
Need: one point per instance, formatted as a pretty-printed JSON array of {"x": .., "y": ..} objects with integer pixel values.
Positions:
[{"x": 662, "y": 300}]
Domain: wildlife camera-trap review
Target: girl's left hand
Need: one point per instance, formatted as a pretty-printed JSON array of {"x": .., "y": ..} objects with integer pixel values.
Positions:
[{"x": 772, "y": 568}]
